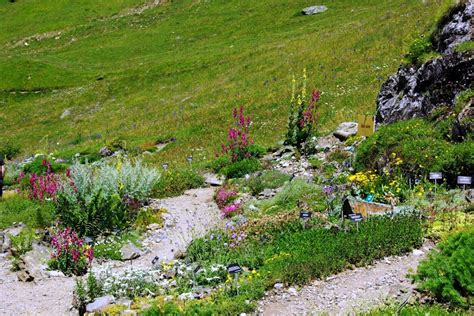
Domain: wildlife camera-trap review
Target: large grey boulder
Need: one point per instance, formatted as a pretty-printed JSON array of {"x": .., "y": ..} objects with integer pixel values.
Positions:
[
  {"x": 129, "y": 252},
  {"x": 314, "y": 9},
  {"x": 33, "y": 264},
  {"x": 346, "y": 130}
]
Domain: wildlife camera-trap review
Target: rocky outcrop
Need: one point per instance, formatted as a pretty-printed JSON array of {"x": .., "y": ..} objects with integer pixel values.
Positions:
[
  {"x": 416, "y": 90},
  {"x": 455, "y": 28}
]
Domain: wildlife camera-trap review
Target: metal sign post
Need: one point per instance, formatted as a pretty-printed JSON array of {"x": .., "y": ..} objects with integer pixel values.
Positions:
[
  {"x": 357, "y": 217},
  {"x": 464, "y": 180},
  {"x": 436, "y": 176},
  {"x": 165, "y": 166},
  {"x": 235, "y": 269},
  {"x": 190, "y": 160},
  {"x": 305, "y": 216}
]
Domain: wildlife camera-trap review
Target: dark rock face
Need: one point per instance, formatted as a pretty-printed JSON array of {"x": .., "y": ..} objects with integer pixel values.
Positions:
[
  {"x": 417, "y": 90},
  {"x": 456, "y": 28}
]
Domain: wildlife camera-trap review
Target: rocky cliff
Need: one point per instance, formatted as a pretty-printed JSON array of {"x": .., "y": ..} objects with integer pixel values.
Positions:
[{"x": 417, "y": 89}]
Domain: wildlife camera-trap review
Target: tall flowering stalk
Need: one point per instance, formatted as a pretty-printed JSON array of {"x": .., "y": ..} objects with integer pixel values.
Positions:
[
  {"x": 70, "y": 255},
  {"x": 238, "y": 140},
  {"x": 303, "y": 115}
]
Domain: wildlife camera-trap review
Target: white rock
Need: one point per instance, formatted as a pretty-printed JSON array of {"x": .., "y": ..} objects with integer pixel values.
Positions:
[
  {"x": 99, "y": 303},
  {"x": 278, "y": 286},
  {"x": 417, "y": 252},
  {"x": 292, "y": 291}
]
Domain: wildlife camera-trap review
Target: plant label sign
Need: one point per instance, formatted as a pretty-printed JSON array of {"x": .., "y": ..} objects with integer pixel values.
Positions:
[
  {"x": 464, "y": 180},
  {"x": 234, "y": 268},
  {"x": 305, "y": 215},
  {"x": 190, "y": 159},
  {"x": 436, "y": 176},
  {"x": 89, "y": 240},
  {"x": 165, "y": 166},
  {"x": 357, "y": 217},
  {"x": 366, "y": 125},
  {"x": 369, "y": 198},
  {"x": 155, "y": 260}
]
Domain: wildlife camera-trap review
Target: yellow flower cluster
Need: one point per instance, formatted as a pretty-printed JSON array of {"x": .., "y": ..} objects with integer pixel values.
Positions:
[
  {"x": 363, "y": 177},
  {"x": 397, "y": 160}
]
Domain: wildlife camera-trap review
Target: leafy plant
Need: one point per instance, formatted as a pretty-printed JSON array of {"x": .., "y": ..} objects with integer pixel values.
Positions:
[
  {"x": 448, "y": 273},
  {"x": 176, "y": 182},
  {"x": 109, "y": 247},
  {"x": 42, "y": 165},
  {"x": 303, "y": 115},
  {"x": 100, "y": 198},
  {"x": 266, "y": 180},
  {"x": 418, "y": 48},
  {"x": 8, "y": 150},
  {"x": 21, "y": 244},
  {"x": 70, "y": 255},
  {"x": 241, "y": 168},
  {"x": 19, "y": 208},
  {"x": 238, "y": 143}
]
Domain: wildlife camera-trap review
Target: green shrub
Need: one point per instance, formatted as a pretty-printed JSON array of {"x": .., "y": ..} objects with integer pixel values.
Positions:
[
  {"x": 267, "y": 180},
  {"x": 9, "y": 150},
  {"x": 103, "y": 197},
  {"x": 241, "y": 168},
  {"x": 19, "y": 208},
  {"x": 175, "y": 182},
  {"x": 21, "y": 244},
  {"x": 420, "y": 148},
  {"x": 448, "y": 273},
  {"x": 39, "y": 166},
  {"x": 416, "y": 310},
  {"x": 418, "y": 48},
  {"x": 289, "y": 196}
]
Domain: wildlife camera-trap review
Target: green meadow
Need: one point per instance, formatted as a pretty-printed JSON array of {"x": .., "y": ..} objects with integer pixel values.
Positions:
[{"x": 178, "y": 69}]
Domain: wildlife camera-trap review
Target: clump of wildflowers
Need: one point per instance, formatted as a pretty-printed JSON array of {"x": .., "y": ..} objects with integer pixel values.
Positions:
[
  {"x": 303, "y": 115},
  {"x": 70, "y": 254},
  {"x": 42, "y": 187},
  {"x": 225, "y": 200},
  {"x": 238, "y": 139}
]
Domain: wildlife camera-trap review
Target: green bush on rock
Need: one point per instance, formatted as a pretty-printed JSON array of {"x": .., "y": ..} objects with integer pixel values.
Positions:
[{"x": 175, "y": 182}]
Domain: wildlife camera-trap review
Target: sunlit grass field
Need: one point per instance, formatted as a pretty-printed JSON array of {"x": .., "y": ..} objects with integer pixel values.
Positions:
[{"x": 178, "y": 69}]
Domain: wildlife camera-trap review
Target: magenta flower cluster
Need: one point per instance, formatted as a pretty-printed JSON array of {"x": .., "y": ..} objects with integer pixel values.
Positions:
[
  {"x": 225, "y": 201},
  {"x": 70, "y": 254},
  {"x": 41, "y": 187},
  {"x": 238, "y": 140},
  {"x": 308, "y": 115}
]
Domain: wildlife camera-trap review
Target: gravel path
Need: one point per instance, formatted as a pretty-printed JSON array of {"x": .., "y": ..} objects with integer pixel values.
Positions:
[
  {"x": 189, "y": 215},
  {"x": 349, "y": 292}
]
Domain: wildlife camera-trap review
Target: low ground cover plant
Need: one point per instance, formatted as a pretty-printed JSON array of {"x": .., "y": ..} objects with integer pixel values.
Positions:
[
  {"x": 268, "y": 179},
  {"x": 420, "y": 148},
  {"x": 174, "y": 182},
  {"x": 448, "y": 273},
  {"x": 291, "y": 253},
  {"x": 20, "y": 209},
  {"x": 109, "y": 247}
]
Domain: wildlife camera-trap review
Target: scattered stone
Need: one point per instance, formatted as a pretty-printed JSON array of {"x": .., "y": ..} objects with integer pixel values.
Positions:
[
  {"x": 178, "y": 254},
  {"x": 99, "y": 304},
  {"x": 24, "y": 276},
  {"x": 213, "y": 180},
  {"x": 346, "y": 130},
  {"x": 278, "y": 286},
  {"x": 34, "y": 261},
  {"x": 129, "y": 252},
  {"x": 129, "y": 312},
  {"x": 418, "y": 253},
  {"x": 55, "y": 274},
  {"x": 5, "y": 240},
  {"x": 105, "y": 152},
  {"x": 314, "y": 9},
  {"x": 292, "y": 291}
]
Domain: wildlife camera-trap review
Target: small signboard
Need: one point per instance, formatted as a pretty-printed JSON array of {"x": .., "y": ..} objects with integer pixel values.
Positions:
[
  {"x": 234, "y": 268},
  {"x": 155, "y": 260},
  {"x": 369, "y": 198},
  {"x": 464, "y": 180},
  {"x": 355, "y": 217},
  {"x": 165, "y": 166},
  {"x": 436, "y": 176},
  {"x": 190, "y": 159},
  {"x": 366, "y": 125},
  {"x": 305, "y": 215}
]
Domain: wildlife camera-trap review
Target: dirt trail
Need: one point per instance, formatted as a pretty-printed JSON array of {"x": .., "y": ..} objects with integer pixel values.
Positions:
[
  {"x": 349, "y": 292},
  {"x": 189, "y": 216}
]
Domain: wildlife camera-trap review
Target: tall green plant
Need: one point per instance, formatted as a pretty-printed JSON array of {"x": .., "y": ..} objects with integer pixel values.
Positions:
[{"x": 303, "y": 115}]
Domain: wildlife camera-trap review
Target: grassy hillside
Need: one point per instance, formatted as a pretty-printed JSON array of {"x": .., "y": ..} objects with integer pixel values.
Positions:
[{"x": 177, "y": 69}]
